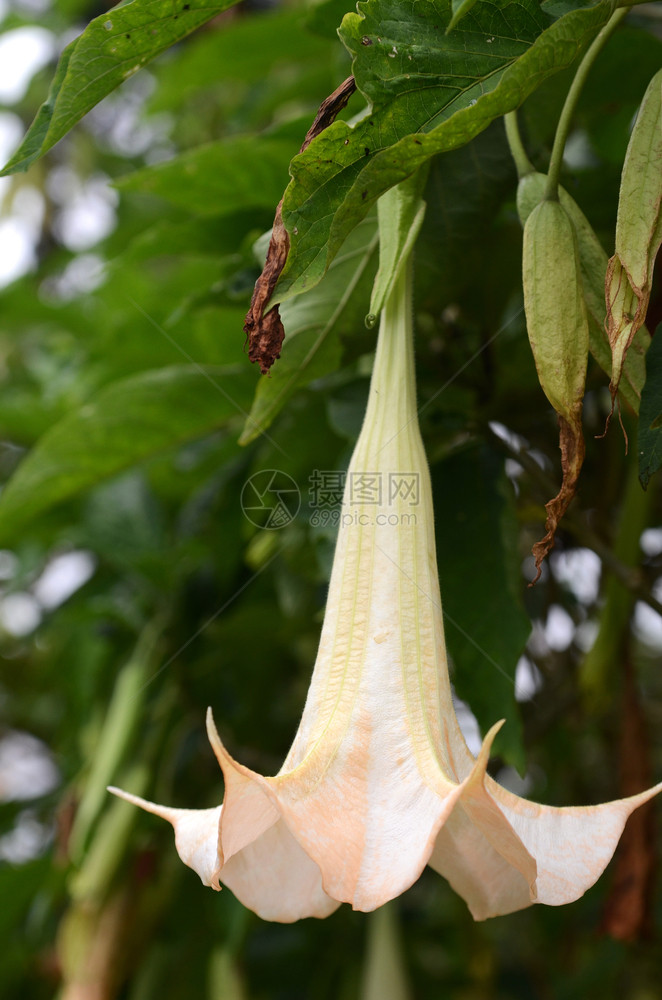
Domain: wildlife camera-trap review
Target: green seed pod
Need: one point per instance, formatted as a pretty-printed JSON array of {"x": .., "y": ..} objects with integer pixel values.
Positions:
[
  {"x": 556, "y": 314},
  {"x": 593, "y": 264},
  {"x": 558, "y": 328},
  {"x": 638, "y": 230}
]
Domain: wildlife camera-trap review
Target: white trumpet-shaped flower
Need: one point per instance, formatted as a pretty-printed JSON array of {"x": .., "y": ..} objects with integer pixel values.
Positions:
[{"x": 379, "y": 781}]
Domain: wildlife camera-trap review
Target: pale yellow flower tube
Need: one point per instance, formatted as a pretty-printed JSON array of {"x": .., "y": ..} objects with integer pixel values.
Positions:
[{"x": 379, "y": 781}]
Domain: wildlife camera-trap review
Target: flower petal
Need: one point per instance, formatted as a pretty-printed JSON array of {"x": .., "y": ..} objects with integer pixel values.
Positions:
[
  {"x": 248, "y": 811},
  {"x": 274, "y": 877},
  {"x": 479, "y": 852},
  {"x": 486, "y": 881},
  {"x": 573, "y": 844},
  {"x": 196, "y": 834},
  {"x": 359, "y": 807}
]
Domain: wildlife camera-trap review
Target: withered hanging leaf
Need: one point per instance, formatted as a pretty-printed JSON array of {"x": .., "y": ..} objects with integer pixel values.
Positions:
[
  {"x": 265, "y": 330},
  {"x": 571, "y": 443}
]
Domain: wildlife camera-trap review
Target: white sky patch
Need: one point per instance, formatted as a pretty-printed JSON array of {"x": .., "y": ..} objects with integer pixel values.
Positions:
[
  {"x": 540, "y": 458},
  {"x": 513, "y": 469},
  {"x": 17, "y": 250},
  {"x": 88, "y": 209},
  {"x": 559, "y": 628},
  {"x": 20, "y": 614},
  {"x": 27, "y": 769},
  {"x": 29, "y": 205},
  {"x": 651, "y": 542},
  {"x": 578, "y": 153},
  {"x": 80, "y": 277},
  {"x": 23, "y": 52},
  {"x": 578, "y": 570},
  {"x": 537, "y": 643},
  {"x": 586, "y": 634},
  {"x": 11, "y": 133},
  {"x": 20, "y": 228},
  {"x": 528, "y": 679},
  {"x": 529, "y": 569},
  {"x": 26, "y": 841},
  {"x": 510, "y": 437},
  {"x": 648, "y": 625},
  {"x": 32, "y": 6},
  {"x": 8, "y": 564},
  {"x": 468, "y": 724},
  {"x": 510, "y": 779},
  {"x": 63, "y": 576},
  {"x": 119, "y": 122}
]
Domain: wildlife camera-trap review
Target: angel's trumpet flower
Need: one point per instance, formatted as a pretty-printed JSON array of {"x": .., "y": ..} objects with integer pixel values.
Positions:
[{"x": 379, "y": 781}]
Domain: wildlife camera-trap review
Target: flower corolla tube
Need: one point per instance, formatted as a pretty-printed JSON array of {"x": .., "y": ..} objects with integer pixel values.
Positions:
[{"x": 379, "y": 781}]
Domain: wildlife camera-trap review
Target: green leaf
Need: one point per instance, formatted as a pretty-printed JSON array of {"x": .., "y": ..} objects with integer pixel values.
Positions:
[
  {"x": 112, "y": 48},
  {"x": 429, "y": 93},
  {"x": 400, "y": 211},
  {"x": 209, "y": 236},
  {"x": 127, "y": 422},
  {"x": 20, "y": 885},
  {"x": 244, "y": 53},
  {"x": 242, "y": 172},
  {"x": 314, "y": 324},
  {"x": 324, "y": 17},
  {"x": 114, "y": 739},
  {"x": 464, "y": 193},
  {"x": 650, "y": 413},
  {"x": 485, "y": 624},
  {"x": 459, "y": 10},
  {"x": 639, "y": 222}
]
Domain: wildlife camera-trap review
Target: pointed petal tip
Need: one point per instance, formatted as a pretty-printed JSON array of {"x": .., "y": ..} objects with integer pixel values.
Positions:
[
  {"x": 212, "y": 735},
  {"x": 494, "y": 729},
  {"x": 164, "y": 812},
  {"x": 482, "y": 759},
  {"x": 641, "y": 797},
  {"x": 212, "y": 731}
]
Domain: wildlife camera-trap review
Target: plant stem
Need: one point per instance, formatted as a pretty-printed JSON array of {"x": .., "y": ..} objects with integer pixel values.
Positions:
[
  {"x": 563, "y": 127},
  {"x": 522, "y": 162}
]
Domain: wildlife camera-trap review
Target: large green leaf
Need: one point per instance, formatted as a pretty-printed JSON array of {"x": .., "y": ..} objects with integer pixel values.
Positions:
[
  {"x": 429, "y": 93},
  {"x": 649, "y": 435},
  {"x": 314, "y": 323},
  {"x": 127, "y": 421},
  {"x": 242, "y": 172},
  {"x": 113, "y": 47},
  {"x": 466, "y": 189},
  {"x": 486, "y": 627},
  {"x": 240, "y": 55}
]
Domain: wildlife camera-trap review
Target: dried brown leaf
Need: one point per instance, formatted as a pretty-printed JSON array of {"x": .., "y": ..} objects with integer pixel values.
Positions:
[
  {"x": 571, "y": 443},
  {"x": 265, "y": 330}
]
